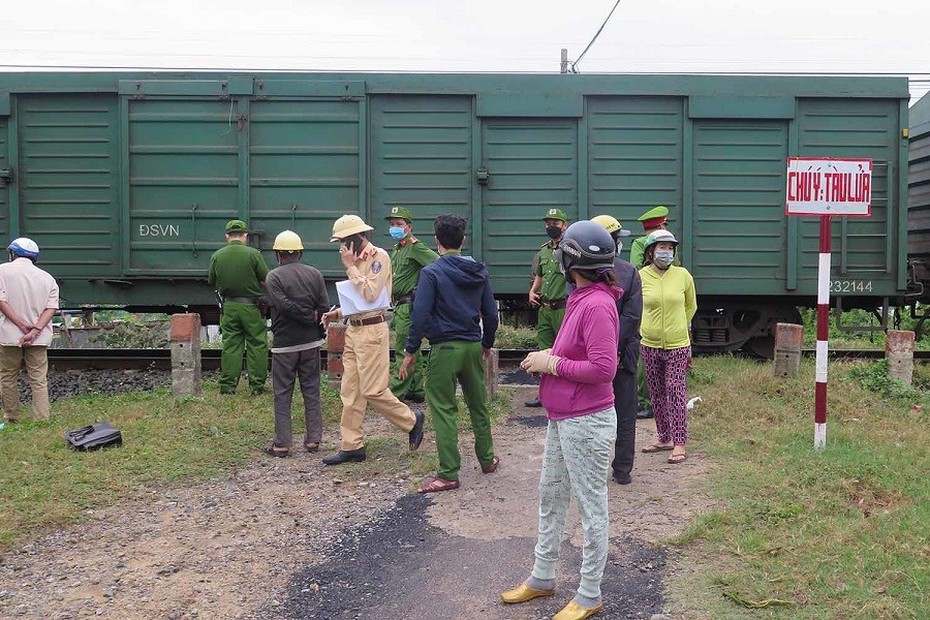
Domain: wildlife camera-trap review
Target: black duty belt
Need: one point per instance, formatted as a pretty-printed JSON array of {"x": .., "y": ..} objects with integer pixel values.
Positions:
[
  {"x": 553, "y": 305},
  {"x": 242, "y": 300},
  {"x": 372, "y": 320},
  {"x": 403, "y": 299}
]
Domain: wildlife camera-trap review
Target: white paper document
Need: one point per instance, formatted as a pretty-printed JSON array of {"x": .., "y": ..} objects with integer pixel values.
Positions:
[{"x": 352, "y": 302}]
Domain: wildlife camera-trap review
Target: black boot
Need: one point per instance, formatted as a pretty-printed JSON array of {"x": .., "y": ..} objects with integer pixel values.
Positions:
[
  {"x": 345, "y": 456},
  {"x": 533, "y": 403},
  {"x": 416, "y": 433}
]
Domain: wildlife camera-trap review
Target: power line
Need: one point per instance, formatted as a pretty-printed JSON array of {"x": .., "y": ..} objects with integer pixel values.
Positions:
[{"x": 594, "y": 38}]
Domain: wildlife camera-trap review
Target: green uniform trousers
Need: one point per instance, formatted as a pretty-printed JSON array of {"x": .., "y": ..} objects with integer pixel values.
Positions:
[
  {"x": 547, "y": 326},
  {"x": 642, "y": 387},
  {"x": 413, "y": 384},
  {"x": 243, "y": 327},
  {"x": 449, "y": 361}
]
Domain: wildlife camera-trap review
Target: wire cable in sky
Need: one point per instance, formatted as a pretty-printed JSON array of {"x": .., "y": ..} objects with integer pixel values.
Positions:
[{"x": 594, "y": 38}]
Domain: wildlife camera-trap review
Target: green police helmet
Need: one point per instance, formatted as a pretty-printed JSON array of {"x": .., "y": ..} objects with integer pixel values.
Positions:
[
  {"x": 399, "y": 212},
  {"x": 555, "y": 214}
]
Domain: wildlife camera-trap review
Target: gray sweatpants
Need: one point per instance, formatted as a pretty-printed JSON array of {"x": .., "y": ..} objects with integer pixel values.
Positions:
[
  {"x": 575, "y": 462},
  {"x": 285, "y": 368}
]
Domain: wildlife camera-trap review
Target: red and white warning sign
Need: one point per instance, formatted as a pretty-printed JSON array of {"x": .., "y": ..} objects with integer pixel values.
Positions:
[{"x": 819, "y": 186}]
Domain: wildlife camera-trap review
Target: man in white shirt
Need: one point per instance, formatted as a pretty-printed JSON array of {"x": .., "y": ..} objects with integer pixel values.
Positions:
[{"x": 28, "y": 300}]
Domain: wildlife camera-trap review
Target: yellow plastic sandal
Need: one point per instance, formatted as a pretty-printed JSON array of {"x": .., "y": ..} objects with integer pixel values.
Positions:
[
  {"x": 574, "y": 611},
  {"x": 523, "y": 593}
]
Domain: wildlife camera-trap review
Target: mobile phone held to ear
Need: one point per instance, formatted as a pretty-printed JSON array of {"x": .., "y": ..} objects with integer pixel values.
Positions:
[{"x": 354, "y": 244}]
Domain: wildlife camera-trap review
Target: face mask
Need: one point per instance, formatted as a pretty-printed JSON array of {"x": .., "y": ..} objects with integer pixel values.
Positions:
[
  {"x": 554, "y": 232},
  {"x": 663, "y": 258},
  {"x": 398, "y": 232},
  {"x": 619, "y": 247}
]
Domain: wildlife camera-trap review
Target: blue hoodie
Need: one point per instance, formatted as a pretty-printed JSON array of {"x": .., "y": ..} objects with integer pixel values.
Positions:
[{"x": 453, "y": 297}]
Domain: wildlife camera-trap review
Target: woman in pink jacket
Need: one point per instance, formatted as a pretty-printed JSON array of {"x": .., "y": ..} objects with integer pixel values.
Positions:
[{"x": 577, "y": 392}]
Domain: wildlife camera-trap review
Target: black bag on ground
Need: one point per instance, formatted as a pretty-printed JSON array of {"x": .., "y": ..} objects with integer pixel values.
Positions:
[{"x": 94, "y": 437}]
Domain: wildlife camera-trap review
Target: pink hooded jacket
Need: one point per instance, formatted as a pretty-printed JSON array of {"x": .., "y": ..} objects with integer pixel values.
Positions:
[{"x": 587, "y": 344}]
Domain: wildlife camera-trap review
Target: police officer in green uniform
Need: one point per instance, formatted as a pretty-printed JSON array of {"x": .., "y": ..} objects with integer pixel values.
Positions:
[
  {"x": 548, "y": 291},
  {"x": 237, "y": 272},
  {"x": 653, "y": 219},
  {"x": 410, "y": 255}
]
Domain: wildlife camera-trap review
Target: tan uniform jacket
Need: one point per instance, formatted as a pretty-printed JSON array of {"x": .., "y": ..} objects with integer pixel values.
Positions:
[{"x": 370, "y": 274}]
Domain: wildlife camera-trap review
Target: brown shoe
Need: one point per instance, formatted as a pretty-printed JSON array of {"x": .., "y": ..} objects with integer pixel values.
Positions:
[{"x": 492, "y": 467}]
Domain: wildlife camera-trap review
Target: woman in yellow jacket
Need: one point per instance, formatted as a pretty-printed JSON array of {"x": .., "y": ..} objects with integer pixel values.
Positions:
[{"x": 669, "y": 303}]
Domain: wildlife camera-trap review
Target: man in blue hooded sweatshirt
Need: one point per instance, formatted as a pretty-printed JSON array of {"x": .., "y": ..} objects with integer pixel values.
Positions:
[{"x": 454, "y": 300}]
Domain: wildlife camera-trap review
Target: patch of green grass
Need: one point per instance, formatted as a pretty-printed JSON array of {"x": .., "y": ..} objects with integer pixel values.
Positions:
[
  {"x": 515, "y": 337},
  {"x": 802, "y": 534},
  {"x": 44, "y": 484}
]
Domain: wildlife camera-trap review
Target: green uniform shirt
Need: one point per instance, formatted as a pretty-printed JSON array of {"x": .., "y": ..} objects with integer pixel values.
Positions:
[
  {"x": 408, "y": 258},
  {"x": 236, "y": 270},
  {"x": 637, "y": 250},
  {"x": 545, "y": 266}
]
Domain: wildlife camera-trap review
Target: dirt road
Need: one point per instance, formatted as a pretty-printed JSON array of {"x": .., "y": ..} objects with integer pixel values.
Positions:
[{"x": 290, "y": 538}]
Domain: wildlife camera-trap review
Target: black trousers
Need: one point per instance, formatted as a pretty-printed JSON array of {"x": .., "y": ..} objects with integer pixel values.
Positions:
[{"x": 626, "y": 404}]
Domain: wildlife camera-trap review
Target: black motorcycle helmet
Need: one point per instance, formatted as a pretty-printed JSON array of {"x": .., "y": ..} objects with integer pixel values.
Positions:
[{"x": 585, "y": 245}]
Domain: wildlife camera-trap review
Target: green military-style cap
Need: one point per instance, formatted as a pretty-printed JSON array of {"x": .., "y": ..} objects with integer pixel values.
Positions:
[
  {"x": 236, "y": 226},
  {"x": 555, "y": 214},
  {"x": 399, "y": 212},
  {"x": 653, "y": 218}
]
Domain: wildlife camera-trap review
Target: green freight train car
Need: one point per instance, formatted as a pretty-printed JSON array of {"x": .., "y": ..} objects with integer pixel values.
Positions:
[{"x": 126, "y": 179}]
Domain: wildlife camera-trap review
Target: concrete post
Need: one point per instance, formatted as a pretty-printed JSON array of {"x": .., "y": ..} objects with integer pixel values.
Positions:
[
  {"x": 899, "y": 351},
  {"x": 788, "y": 338},
  {"x": 491, "y": 375},
  {"x": 185, "y": 355},
  {"x": 335, "y": 345}
]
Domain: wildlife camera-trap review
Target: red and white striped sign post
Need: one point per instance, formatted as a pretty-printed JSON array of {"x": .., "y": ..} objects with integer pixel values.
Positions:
[{"x": 825, "y": 188}]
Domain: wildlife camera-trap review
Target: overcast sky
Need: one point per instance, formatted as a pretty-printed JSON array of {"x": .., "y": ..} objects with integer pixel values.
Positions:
[{"x": 845, "y": 36}]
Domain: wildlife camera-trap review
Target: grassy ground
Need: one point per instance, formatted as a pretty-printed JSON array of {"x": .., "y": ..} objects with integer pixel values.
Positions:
[
  {"x": 842, "y": 533},
  {"x": 44, "y": 484}
]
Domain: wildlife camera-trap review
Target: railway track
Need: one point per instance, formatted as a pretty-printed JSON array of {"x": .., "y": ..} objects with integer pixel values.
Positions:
[{"x": 136, "y": 359}]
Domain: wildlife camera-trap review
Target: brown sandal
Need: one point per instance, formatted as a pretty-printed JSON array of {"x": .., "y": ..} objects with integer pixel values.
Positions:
[
  {"x": 492, "y": 466},
  {"x": 312, "y": 447},
  {"x": 274, "y": 451},
  {"x": 656, "y": 447},
  {"x": 437, "y": 484},
  {"x": 675, "y": 459}
]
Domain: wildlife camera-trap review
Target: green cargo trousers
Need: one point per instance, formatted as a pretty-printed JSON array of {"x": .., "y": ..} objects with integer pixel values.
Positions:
[
  {"x": 548, "y": 323},
  {"x": 412, "y": 386},
  {"x": 243, "y": 327},
  {"x": 642, "y": 387},
  {"x": 449, "y": 361}
]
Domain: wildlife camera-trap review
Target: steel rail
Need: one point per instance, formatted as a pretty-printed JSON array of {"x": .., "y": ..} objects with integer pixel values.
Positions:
[{"x": 136, "y": 359}]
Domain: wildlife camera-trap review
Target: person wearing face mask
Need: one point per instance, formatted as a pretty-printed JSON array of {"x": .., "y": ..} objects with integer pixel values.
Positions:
[
  {"x": 653, "y": 219},
  {"x": 408, "y": 258},
  {"x": 630, "y": 309},
  {"x": 578, "y": 396},
  {"x": 669, "y": 304},
  {"x": 365, "y": 358},
  {"x": 547, "y": 291}
]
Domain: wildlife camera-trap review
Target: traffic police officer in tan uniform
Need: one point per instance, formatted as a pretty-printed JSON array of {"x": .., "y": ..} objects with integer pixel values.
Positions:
[
  {"x": 548, "y": 291},
  {"x": 365, "y": 357},
  {"x": 407, "y": 259}
]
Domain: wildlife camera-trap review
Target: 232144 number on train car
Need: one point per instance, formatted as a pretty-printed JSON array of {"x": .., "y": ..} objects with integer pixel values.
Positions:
[{"x": 850, "y": 286}]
